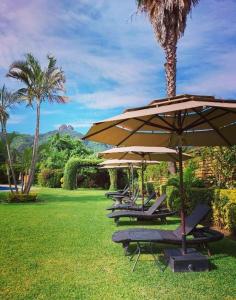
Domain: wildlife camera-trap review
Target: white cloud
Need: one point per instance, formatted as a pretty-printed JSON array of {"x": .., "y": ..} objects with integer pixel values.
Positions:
[
  {"x": 15, "y": 119},
  {"x": 78, "y": 124},
  {"x": 109, "y": 53}
]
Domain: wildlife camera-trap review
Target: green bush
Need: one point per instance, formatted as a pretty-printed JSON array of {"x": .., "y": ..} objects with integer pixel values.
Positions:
[
  {"x": 222, "y": 201},
  {"x": 113, "y": 179},
  {"x": 224, "y": 209},
  {"x": 21, "y": 198},
  {"x": 173, "y": 199},
  {"x": 72, "y": 167},
  {"x": 50, "y": 178}
]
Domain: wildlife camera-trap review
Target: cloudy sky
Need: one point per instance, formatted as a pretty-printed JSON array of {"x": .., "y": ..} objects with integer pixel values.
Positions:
[{"x": 110, "y": 56}]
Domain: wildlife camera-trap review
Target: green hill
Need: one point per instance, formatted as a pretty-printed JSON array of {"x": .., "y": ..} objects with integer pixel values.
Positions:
[{"x": 22, "y": 141}]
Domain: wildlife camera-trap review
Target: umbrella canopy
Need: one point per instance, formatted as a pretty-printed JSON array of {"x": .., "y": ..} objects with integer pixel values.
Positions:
[
  {"x": 118, "y": 167},
  {"x": 144, "y": 153},
  {"x": 198, "y": 120},
  {"x": 189, "y": 120},
  {"x": 122, "y": 162}
]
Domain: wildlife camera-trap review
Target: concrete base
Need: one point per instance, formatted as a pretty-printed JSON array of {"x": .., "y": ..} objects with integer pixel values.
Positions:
[{"x": 192, "y": 261}]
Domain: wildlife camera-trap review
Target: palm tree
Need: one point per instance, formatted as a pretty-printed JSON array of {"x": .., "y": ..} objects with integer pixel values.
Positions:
[
  {"x": 40, "y": 85},
  {"x": 168, "y": 18},
  {"x": 7, "y": 101}
]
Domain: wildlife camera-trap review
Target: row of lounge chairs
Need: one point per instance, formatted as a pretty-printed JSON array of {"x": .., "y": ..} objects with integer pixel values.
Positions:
[{"x": 198, "y": 236}]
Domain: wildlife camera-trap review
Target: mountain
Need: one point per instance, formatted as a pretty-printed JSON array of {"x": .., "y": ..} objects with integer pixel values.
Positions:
[{"x": 22, "y": 141}]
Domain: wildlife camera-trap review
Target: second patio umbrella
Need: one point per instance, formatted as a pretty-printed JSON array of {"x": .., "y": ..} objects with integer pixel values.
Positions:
[{"x": 144, "y": 154}]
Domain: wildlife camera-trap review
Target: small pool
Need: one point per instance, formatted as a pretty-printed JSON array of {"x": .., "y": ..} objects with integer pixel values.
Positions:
[{"x": 5, "y": 188}]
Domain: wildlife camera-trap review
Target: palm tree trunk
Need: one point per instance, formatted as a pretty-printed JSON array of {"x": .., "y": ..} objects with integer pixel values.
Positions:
[
  {"x": 35, "y": 151},
  {"x": 9, "y": 177},
  {"x": 170, "y": 69},
  {"x": 4, "y": 132}
]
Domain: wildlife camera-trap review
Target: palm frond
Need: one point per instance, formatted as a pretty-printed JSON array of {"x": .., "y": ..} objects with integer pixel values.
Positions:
[{"x": 168, "y": 17}]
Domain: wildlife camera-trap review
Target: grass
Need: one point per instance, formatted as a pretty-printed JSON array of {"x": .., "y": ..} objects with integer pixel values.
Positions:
[{"x": 61, "y": 248}]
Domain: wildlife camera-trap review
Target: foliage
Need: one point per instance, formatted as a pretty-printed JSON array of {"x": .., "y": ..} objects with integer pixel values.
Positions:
[
  {"x": 72, "y": 167},
  {"x": 223, "y": 203},
  {"x": 224, "y": 209},
  {"x": 50, "y": 178},
  {"x": 59, "y": 149},
  {"x": 223, "y": 162},
  {"x": 153, "y": 175},
  {"x": 113, "y": 179},
  {"x": 21, "y": 198}
]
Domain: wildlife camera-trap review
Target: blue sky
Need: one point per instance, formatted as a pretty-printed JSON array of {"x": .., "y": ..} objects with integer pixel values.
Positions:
[{"x": 111, "y": 58}]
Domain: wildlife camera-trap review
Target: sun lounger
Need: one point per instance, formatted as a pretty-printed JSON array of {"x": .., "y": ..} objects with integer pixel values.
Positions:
[
  {"x": 124, "y": 199},
  {"x": 150, "y": 215},
  {"x": 133, "y": 206},
  {"x": 195, "y": 236},
  {"x": 125, "y": 191}
]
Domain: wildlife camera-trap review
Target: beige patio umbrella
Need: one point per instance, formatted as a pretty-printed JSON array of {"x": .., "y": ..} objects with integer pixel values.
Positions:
[
  {"x": 136, "y": 153},
  {"x": 132, "y": 163},
  {"x": 143, "y": 153},
  {"x": 130, "y": 168},
  {"x": 118, "y": 167},
  {"x": 184, "y": 120}
]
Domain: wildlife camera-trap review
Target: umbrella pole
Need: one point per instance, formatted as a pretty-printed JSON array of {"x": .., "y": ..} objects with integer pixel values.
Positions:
[
  {"x": 181, "y": 191},
  {"x": 129, "y": 180},
  {"x": 132, "y": 177},
  {"x": 142, "y": 187}
]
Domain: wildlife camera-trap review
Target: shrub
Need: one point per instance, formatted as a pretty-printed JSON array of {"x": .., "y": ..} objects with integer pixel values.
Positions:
[
  {"x": 224, "y": 209},
  {"x": 50, "y": 178},
  {"x": 173, "y": 199},
  {"x": 21, "y": 198},
  {"x": 72, "y": 167},
  {"x": 113, "y": 179}
]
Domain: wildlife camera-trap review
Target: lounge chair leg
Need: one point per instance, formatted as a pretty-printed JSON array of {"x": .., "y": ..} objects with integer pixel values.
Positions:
[
  {"x": 116, "y": 221},
  {"x": 137, "y": 251},
  {"x": 156, "y": 260},
  {"x": 205, "y": 246}
]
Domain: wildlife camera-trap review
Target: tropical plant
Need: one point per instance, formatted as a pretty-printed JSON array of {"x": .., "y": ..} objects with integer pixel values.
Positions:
[
  {"x": 7, "y": 101},
  {"x": 222, "y": 164},
  {"x": 168, "y": 18},
  {"x": 59, "y": 149},
  {"x": 40, "y": 85}
]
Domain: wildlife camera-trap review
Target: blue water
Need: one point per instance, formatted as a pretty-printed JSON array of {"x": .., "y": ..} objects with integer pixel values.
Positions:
[{"x": 5, "y": 188}]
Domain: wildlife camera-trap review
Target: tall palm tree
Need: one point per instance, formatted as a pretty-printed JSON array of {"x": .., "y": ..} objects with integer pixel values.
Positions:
[
  {"x": 7, "y": 101},
  {"x": 168, "y": 18},
  {"x": 40, "y": 85}
]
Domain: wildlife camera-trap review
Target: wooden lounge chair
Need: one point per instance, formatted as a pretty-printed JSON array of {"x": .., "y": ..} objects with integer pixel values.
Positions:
[
  {"x": 150, "y": 215},
  {"x": 195, "y": 236},
  {"x": 133, "y": 206},
  {"x": 125, "y": 191},
  {"x": 126, "y": 198}
]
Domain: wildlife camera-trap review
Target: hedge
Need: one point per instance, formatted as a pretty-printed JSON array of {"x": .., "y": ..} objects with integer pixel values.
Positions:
[
  {"x": 71, "y": 169},
  {"x": 222, "y": 201},
  {"x": 224, "y": 209},
  {"x": 113, "y": 179},
  {"x": 50, "y": 178}
]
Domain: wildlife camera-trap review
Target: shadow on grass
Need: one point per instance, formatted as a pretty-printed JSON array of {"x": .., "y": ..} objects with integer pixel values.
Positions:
[
  {"x": 156, "y": 222},
  {"x": 70, "y": 198},
  {"x": 223, "y": 248}
]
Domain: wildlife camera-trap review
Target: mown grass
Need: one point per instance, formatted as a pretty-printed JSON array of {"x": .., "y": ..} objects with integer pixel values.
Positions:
[{"x": 61, "y": 248}]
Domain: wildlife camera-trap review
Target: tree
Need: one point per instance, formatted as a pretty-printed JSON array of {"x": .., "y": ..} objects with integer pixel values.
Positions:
[
  {"x": 168, "y": 18},
  {"x": 59, "y": 149},
  {"x": 40, "y": 85},
  {"x": 7, "y": 101}
]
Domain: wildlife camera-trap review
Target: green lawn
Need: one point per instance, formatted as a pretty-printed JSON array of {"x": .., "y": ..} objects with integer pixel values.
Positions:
[{"x": 61, "y": 248}]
